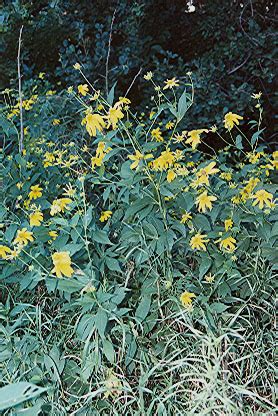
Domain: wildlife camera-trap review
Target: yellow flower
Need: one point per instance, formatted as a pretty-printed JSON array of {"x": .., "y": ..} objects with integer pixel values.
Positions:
[
  {"x": 178, "y": 155},
  {"x": 194, "y": 137},
  {"x": 113, "y": 386},
  {"x": 231, "y": 119},
  {"x": 262, "y": 197},
  {"x": 122, "y": 101},
  {"x": 169, "y": 125},
  {"x": 186, "y": 298},
  {"x": 137, "y": 158},
  {"x": 256, "y": 96},
  {"x": 59, "y": 205},
  {"x": 156, "y": 134},
  {"x": 198, "y": 241},
  {"x": 171, "y": 83},
  {"x": 56, "y": 121},
  {"x": 49, "y": 158},
  {"x": 228, "y": 224},
  {"x": 275, "y": 163},
  {"x": 245, "y": 193},
  {"x": 101, "y": 151},
  {"x": 148, "y": 76},
  {"x": 36, "y": 218},
  {"x": 204, "y": 201},
  {"x": 226, "y": 175},
  {"x": 62, "y": 264},
  {"x": 23, "y": 236},
  {"x": 164, "y": 161},
  {"x": 171, "y": 175},
  {"x": 227, "y": 243},
  {"x": 41, "y": 75},
  {"x": 114, "y": 115},
  {"x": 53, "y": 234},
  {"x": 209, "y": 278},
  {"x": 83, "y": 89},
  {"x": 105, "y": 215},
  {"x": 236, "y": 200},
  {"x": 185, "y": 217},
  {"x": 182, "y": 171},
  {"x": 94, "y": 123},
  {"x": 77, "y": 66},
  {"x": 178, "y": 138},
  {"x": 254, "y": 157},
  {"x": 95, "y": 96},
  {"x": 4, "y": 250},
  {"x": 96, "y": 161},
  {"x": 203, "y": 173},
  {"x": 35, "y": 192},
  {"x": 69, "y": 190},
  {"x": 152, "y": 113}
]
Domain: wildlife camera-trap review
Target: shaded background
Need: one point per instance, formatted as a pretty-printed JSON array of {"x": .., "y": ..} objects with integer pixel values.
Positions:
[{"x": 228, "y": 45}]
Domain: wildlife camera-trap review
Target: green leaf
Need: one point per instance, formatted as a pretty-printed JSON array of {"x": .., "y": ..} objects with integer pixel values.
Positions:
[
  {"x": 14, "y": 394},
  {"x": 205, "y": 264},
  {"x": 182, "y": 105},
  {"x": 85, "y": 327},
  {"x": 138, "y": 206},
  {"x": 110, "y": 97},
  {"x": 101, "y": 320},
  {"x": 201, "y": 222},
  {"x": 239, "y": 142},
  {"x": 74, "y": 248},
  {"x": 108, "y": 350},
  {"x": 173, "y": 110},
  {"x": 143, "y": 308},
  {"x": 30, "y": 411},
  {"x": 101, "y": 237},
  {"x": 256, "y": 136},
  {"x": 60, "y": 221},
  {"x": 113, "y": 264},
  {"x": 218, "y": 307},
  {"x": 60, "y": 242},
  {"x": 70, "y": 285},
  {"x": 10, "y": 232}
]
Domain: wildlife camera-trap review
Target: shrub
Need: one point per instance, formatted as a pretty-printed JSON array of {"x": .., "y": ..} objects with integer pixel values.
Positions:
[{"x": 228, "y": 45}]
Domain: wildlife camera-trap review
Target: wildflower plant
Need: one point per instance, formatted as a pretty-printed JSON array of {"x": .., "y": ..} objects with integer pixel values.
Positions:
[{"x": 130, "y": 220}]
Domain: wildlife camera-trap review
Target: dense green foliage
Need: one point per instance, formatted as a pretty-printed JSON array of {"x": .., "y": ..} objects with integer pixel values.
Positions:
[
  {"x": 228, "y": 45},
  {"x": 138, "y": 230},
  {"x": 166, "y": 257}
]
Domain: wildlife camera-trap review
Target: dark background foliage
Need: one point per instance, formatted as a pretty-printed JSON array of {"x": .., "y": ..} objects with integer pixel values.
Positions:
[{"x": 228, "y": 45}]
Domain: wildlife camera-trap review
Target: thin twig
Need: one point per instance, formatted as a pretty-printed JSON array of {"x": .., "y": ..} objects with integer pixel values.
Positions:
[
  {"x": 241, "y": 65},
  {"x": 252, "y": 10},
  {"x": 20, "y": 93},
  {"x": 134, "y": 79},
  {"x": 108, "y": 53}
]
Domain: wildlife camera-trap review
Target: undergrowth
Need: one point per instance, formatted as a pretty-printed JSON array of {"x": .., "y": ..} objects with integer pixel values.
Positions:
[{"x": 138, "y": 264}]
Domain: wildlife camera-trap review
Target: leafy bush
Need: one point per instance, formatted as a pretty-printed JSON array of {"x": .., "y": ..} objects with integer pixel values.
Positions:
[
  {"x": 137, "y": 262},
  {"x": 229, "y": 46}
]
